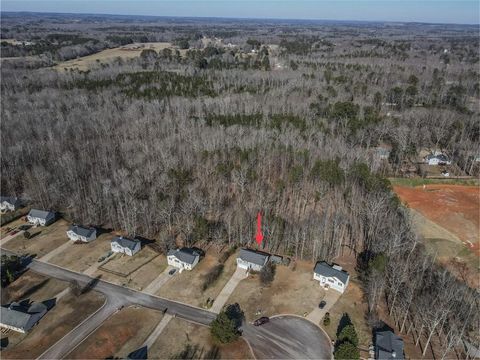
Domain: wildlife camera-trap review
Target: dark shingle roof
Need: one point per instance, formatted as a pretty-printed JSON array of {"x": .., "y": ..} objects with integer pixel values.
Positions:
[
  {"x": 185, "y": 255},
  {"x": 81, "y": 230},
  {"x": 322, "y": 268},
  {"x": 254, "y": 257},
  {"x": 125, "y": 242},
  {"x": 18, "y": 314},
  {"x": 387, "y": 343},
  {"x": 41, "y": 214}
]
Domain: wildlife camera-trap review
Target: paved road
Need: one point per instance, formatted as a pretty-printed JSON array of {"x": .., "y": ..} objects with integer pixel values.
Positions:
[
  {"x": 126, "y": 295},
  {"x": 288, "y": 337},
  {"x": 228, "y": 289}
]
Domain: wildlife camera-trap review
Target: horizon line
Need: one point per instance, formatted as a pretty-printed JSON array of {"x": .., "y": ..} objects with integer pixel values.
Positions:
[{"x": 241, "y": 18}]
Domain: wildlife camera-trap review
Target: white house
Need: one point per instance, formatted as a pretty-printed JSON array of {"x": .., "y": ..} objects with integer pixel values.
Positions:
[
  {"x": 184, "y": 258},
  {"x": 331, "y": 277},
  {"x": 124, "y": 245},
  {"x": 41, "y": 217},
  {"x": 252, "y": 260},
  {"x": 8, "y": 203},
  {"x": 81, "y": 233},
  {"x": 21, "y": 316},
  {"x": 437, "y": 159}
]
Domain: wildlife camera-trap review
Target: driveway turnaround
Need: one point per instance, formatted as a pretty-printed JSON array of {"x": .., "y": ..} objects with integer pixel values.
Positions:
[
  {"x": 56, "y": 251},
  {"x": 157, "y": 283},
  {"x": 228, "y": 289},
  {"x": 330, "y": 298},
  {"x": 288, "y": 337}
]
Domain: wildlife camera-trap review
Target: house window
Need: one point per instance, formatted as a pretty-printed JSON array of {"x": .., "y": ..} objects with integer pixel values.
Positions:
[{"x": 331, "y": 281}]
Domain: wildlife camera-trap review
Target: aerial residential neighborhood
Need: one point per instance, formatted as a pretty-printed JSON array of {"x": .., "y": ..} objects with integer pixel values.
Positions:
[{"x": 240, "y": 180}]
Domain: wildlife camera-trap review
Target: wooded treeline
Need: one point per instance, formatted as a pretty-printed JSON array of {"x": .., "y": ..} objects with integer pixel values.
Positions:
[{"x": 189, "y": 148}]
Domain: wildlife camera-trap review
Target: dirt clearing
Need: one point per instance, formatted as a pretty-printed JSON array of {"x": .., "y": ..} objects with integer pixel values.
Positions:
[{"x": 448, "y": 218}]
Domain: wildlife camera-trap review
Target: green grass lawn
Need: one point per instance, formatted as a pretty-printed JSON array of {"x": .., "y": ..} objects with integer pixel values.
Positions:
[{"x": 420, "y": 181}]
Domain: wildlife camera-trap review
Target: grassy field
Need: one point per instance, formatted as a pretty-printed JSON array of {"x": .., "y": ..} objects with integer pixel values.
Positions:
[
  {"x": 68, "y": 312},
  {"x": 291, "y": 292},
  {"x": 125, "y": 265},
  {"x": 184, "y": 340},
  {"x": 106, "y": 56},
  {"x": 140, "y": 278},
  {"x": 119, "y": 335},
  {"x": 187, "y": 286},
  {"x": 44, "y": 239},
  {"x": 80, "y": 257}
]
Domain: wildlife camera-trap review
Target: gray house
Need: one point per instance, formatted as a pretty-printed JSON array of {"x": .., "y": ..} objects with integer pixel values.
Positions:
[
  {"x": 21, "y": 316},
  {"x": 9, "y": 203},
  {"x": 124, "y": 245},
  {"x": 41, "y": 217},
  {"x": 81, "y": 233},
  {"x": 331, "y": 276},
  {"x": 252, "y": 260},
  {"x": 184, "y": 258},
  {"x": 388, "y": 346}
]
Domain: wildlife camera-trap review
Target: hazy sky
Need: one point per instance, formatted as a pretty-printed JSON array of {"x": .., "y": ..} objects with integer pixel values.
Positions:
[{"x": 437, "y": 11}]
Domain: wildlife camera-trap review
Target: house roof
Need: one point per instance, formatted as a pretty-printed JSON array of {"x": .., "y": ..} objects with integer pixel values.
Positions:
[
  {"x": 125, "y": 242},
  {"x": 82, "y": 230},
  {"x": 41, "y": 214},
  {"x": 388, "y": 346},
  {"x": 441, "y": 157},
  {"x": 186, "y": 255},
  {"x": 322, "y": 268},
  {"x": 18, "y": 314},
  {"x": 254, "y": 257},
  {"x": 9, "y": 199}
]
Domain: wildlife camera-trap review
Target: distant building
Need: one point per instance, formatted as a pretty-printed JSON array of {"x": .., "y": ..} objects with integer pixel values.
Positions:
[
  {"x": 388, "y": 346},
  {"x": 8, "y": 203},
  {"x": 252, "y": 260},
  {"x": 22, "y": 316},
  {"x": 81, "y": 233},
  {"x": 437, "y": 159},
  {"x": 381, "y": 152},
  {"x": 124, "y": 245},
  {"x": 331, "y": 276},
  {"x": 41, "y": 217},
  {"x": 184, "y": 258}
]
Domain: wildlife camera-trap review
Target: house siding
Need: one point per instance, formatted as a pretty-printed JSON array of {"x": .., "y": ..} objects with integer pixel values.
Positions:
[
  {"x": 248, "y": 266},
  {"x": 332, "y": 282}
]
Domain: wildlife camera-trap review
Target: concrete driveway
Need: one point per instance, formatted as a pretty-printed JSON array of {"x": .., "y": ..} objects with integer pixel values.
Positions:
[
  {"x": 288, "y": 337},
  {"x": 7, "y": 238},
  {"x": 331, "y": 297},
  {"x": 157, "y": 283},
  {"x": 228, "y": 289},
  {"x": 55, "y": 252}
]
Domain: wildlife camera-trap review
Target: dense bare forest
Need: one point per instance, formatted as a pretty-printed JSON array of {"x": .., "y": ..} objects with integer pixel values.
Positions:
[{"x": 189, "y": 143}]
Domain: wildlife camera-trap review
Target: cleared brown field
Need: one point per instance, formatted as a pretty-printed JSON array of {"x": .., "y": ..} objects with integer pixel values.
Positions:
[
  {"x": 184, "y": 340},
  {"x": 448, "y": 218},
  {"x": 124, "y": 52}
]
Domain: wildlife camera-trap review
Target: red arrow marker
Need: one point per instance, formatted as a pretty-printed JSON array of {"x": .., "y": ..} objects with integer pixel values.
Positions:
[{"x": 259, "y": 235}]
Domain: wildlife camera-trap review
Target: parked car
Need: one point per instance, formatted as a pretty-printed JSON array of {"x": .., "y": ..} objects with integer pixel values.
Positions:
[
  {"x": 261, "y": 321},
  {"x": 322, "y": 304},
  {"x": 173, "y": 271}
]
